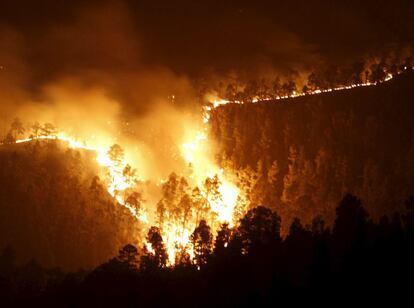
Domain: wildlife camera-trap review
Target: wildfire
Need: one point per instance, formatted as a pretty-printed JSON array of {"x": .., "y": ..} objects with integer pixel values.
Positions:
[
  {"x": 218, "y": 194},
  {"x": 194, "y": 152},
  {"x": 217, "y": 102},
  {"x": 191, "y": 147},
  {"x": 117, "y": 180},
  {"x": 220, "y": 205},
  {"x": 177, "y": 238}
]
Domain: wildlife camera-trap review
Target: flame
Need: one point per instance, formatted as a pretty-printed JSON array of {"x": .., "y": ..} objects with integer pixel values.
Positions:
[
  {"x": 230, "y": 192},
  {"x": 203, "y": 166},
  {"x": 190, "y": 148},
  {"x": 117, "y": 181},
  {"x": 217, "y": 102},
  {"x": 177, "y": 240},
  {"x": 196, "y": 153}
]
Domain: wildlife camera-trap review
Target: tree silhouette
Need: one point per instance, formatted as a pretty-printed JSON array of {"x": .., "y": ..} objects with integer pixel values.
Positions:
[
  {"x": 202, "y": 241},
  {"x": 182, "y": 258},
  {"x": 128, "y": 256},
  {"x": 351, "y": 217},
  {"x": 260, "y": 226},
  {"x": 350, "y": 229},
  {"x": 17, "y": 128},
  {"x": 158, "y": 257},
  {"x": 222, "y": 239},
  {"x": 298, "y": 250}
]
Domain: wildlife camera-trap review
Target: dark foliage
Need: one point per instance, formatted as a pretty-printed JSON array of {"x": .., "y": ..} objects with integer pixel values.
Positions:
[
  {"x": 54, "y": 208},
  {"x": 357, "y": 259},
  {"x": 300, "y": 156}
]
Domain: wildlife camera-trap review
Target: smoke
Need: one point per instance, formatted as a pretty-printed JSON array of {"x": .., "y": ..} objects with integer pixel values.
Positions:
[
  {"x": 84, "y": 74},
  {"x": 123, "y": 72}
]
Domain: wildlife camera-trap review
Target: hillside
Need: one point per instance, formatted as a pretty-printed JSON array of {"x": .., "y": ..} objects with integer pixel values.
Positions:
[
  {"x": 301, "y": 155},
  {"x": 53, "y": 208}
]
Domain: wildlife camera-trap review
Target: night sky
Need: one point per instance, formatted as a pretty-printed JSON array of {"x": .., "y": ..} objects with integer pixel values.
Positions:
[{"x": 196, "y": 37}]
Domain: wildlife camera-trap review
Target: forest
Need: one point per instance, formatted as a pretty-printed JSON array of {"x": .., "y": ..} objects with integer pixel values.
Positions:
[
  {"x": 305, "y": 153},
  {"x": 206, "y": 153},
  {"x": 330, "y": 197},
  {"x": 55, "y": 209},
  {"x": 252, "y": 264}
]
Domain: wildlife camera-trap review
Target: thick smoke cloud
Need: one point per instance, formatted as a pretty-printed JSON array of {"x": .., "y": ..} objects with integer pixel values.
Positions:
[
  {"x": 84, "y": 73},
  {"x": 122, "y": 62},
  {"x": 194, "y": 37},
  {"x": 97, "y": 45}
]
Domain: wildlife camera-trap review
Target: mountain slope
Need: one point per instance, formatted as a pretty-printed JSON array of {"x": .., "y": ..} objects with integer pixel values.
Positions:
[
  {"x": 53, "y": 208},
  {"x": 302, "y": 155}
]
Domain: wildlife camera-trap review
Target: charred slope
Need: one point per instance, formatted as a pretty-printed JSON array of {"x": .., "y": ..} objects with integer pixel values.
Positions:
[
  {"x": 303, "y": 154},
  {"x": 53, "y": 208}
]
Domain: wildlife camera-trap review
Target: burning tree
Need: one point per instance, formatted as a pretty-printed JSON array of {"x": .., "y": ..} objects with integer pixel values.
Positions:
[
  {"x": 134, "y": 200},
  {"x": 35, "y": 128},
  {"x": 17, "y": 128},
  {"x": 213, "y": 197},
  {"x": 198, "y": 203},
  {"x": 129, "y": 175},
  {"x": 116, "y": 154},
  {"x": 185, "y": 205},
  {"x": 48, "y": 129}
]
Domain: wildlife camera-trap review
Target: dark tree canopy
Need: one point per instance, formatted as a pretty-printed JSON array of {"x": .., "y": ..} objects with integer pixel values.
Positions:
[
  {"x": 202, "y": 240},
  {"x": 259, "y": 226}
]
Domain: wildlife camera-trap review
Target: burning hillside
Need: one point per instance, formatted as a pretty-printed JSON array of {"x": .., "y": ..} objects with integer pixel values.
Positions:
[
  {"x": 276, "y": 172},
  {"x": 303, "y": 155},
  {"x": 244, "y": 150},
  {"x": 55, "y": 209}
]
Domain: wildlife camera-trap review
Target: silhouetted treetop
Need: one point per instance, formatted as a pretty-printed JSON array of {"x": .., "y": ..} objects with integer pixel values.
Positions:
[
  {"x": 259, "y": 226},
  {"x": 157, "y": 257},
  {"x": 202, "y": 240},
  {"x": 128, "y": 255}
]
